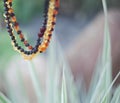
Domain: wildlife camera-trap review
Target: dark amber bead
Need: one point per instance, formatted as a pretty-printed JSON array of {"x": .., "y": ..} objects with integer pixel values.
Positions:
[{"x": 40, "y": 35}]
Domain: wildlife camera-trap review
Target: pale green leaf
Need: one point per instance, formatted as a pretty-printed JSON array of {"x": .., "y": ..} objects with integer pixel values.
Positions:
[{"x": 3, "y": 99}]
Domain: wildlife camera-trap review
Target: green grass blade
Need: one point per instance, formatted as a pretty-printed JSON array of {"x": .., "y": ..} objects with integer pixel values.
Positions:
[
  {"x": 110, "y": 87},
  {"x": 105, "y": 65},
  {"x": 64, "y": 90},
  {"x": 12, "y": 92},
  {"x": 56, "y": 92},
  {"x": 100, "y": 87},
  {"x": 53, "y": 72},
  {"x": 70, "y": 85},
  {"x": 116, "y": 96},
  {"x": 36, "y": 84},
  {"x": 107, "y": 56},
  {"x": 55, "y": 65},
  {"x": 3, "y": 99},
  {"x": 94, "y": 80},
  {"x": 22, "y": 87}
]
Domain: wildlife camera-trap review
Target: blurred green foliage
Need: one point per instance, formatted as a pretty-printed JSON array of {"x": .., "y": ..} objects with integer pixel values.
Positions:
[
  {"x": 25, "y": 10},
  {"x": 6, "y": 50}
]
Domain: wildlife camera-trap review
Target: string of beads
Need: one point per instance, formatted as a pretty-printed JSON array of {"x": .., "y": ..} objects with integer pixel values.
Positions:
[{"x": 44, "y": 36}]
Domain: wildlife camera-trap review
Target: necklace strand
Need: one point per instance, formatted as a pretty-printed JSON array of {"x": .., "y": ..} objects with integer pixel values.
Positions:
[
  {"x": 19, "y": 32},
  {"x": 45, "y": 32}
]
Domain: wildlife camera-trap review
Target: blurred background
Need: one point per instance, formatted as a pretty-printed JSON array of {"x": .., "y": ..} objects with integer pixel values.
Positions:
[
  {"x": 74, "y": 16},
  {"x": 75, "y": 13}
]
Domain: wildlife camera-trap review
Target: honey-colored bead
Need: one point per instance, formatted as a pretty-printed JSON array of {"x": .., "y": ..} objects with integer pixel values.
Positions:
[
  {"x": 47, "y": 37},
  {"x": 42, "y": 48},
  {"x": 55, "y": 12},
  {"x": 16, "y": 28},
  {"x": 10, "y": 10},
  {"x": 13, "y": 19},
  {"x": 28, "y": 57},
  {"x": 48, "y": 32},
  {"x": 9, "y": 1},
  {"x": 53, "y": 19},
  {"x": 52, "y": 0},
  {"x": 46, "y": 44}
]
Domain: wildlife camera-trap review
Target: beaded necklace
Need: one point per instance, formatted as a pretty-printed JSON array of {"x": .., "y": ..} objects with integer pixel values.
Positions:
[{"x": 44, "y": 36}]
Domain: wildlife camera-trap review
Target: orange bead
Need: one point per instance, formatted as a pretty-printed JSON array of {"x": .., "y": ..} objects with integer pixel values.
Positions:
[
  {"x": 30, "y": 47},
  {"x": 46, "y": 44},
  {"x": 55, "y": 12},
  {"x": 57, "y": 4},
  {"x": 42, "y": 48},
  {"x": 46, "y": 37},
  {"x": 50, "y": 32},
  {"x": 10, "y": 10},
  {"x": 13, "y": 19},
  {"x": 17, "y": 28},
  {"x": 53, "y": 19},
  {"x": 21, "y": 36},
  {"x": 9, "y": 0}
]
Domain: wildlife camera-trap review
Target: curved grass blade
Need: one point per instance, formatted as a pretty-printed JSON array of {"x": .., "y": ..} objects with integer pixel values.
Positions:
[
  {"x": 64, "y": 89},
  {"x": 53, "y": 73},
  {"x": 3, "y": 99},
  {"x": 110, "y": 87},
  {"x": 116, "y": 96},
  {"x": 72, "y": 91},
  {"x": 36, "y": 84},
  {"x": 105, "y": 65}
]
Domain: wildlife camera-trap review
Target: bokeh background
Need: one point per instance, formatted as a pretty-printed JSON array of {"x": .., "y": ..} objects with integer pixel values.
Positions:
[{"x": 74, "y": 16}]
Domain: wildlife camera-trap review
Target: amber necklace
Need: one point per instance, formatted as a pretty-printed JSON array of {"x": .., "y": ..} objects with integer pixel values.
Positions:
[{"x": 44, "y": 36}]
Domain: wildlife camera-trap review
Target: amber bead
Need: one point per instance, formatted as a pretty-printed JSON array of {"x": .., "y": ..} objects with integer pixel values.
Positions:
[
  {"x": 13, "y": 19},
  {"x": 55, "y": 12},
  {"x": 9, "y": 1},
  {"x": 21, "y": 36},
  {"x": 30, "y": 47},
  {"x": 10, "y": 10},
  {"x": 17, "y": 28},
  {"x": 42, "y": 48}
]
